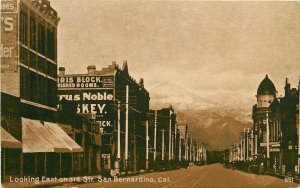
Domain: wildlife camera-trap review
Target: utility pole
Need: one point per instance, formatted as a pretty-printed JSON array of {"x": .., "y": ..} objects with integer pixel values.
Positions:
[
  {"x": 299, "y": 127},
  {"x": 155, "y": 129},
  {"x": 242, "y": 158},
  {"x": 247, "y": 146},
  {"x": 117, "y": 163},
  {"x": 175, "y": 143},
  {"x": 170, "y": 134},
  {"x": 186, "y": 147},
  {"x": 163, "y": 145},
  {"x": 252, "y": 144},
  {"x": 134, "y": 146},
  {"x": 268, "y": 144},
  {"x": 147, "y": 146},
  {"x": 244, "y": 145},
  {"x": 179, "y": 149},
  {"x": 126, "y": 128},
  {"x": 191, "y": 142},
  {"x": 197, "y": 151},
  {"x": 172, "y": 148},
  {"x": 255, "y": 147}
]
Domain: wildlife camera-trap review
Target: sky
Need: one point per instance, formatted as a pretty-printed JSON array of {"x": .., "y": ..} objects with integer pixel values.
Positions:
[{"x": 205, "y": 47}]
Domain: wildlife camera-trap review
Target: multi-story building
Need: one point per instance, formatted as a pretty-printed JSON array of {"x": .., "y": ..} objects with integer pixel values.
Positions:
[
  {"x": 28, "y": 87},
  {"x": 289, "y": 119},
  {"x": 266, "y": 127},
  {"x": 119, "y": 106},
  {"x": 275, "y": 126}
]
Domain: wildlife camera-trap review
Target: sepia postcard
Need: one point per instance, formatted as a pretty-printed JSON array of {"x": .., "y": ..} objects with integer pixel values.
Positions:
[{"x": 150, "y": 93}]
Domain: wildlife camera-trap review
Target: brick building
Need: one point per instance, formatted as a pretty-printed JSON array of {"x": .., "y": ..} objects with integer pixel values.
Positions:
[
  {"x": 28, "y": 89},
  {"x": 117, "y": 102}
]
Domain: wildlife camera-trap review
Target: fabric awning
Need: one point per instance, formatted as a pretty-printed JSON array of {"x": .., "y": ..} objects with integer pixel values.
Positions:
[
  {"x": 8, "y": 141},
  {"x": 63, "y": 137},
  {"x": 37, "y": 138}
]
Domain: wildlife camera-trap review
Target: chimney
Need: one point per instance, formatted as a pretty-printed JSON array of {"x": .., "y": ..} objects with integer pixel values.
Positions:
[
  {"x": 91, "y": 69},
  {"x": 141, "y": 82},
  {"x": 61, "y": 71},
  {"x": 287, "y": 87}
]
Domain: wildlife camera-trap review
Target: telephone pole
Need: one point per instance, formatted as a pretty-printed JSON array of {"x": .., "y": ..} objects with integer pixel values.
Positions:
[{"x": 126, "y": 128}]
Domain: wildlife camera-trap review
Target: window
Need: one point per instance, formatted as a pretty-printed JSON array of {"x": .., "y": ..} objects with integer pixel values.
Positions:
[
  {"x": 41, "y": 38},
  {"x": 51, "y": 43},
  {"x": 52, "y": 70},
  {"x": 23, "y": 82},
  {"x": 41, "y": 64},
  {"x": 23, "y": 28},
  {"x": 46, "y": 92},
  {"x": 32, "y": 32},
  {"x": 24, "y": 56},
  {"x": 33, "y": 61}
]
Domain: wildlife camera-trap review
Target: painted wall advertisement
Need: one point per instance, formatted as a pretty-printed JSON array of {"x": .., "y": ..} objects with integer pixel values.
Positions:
[
  {"x": 77, "y": 82},
  {"x": 9, "y": 36},
  {"x": 91, "y": 96}
]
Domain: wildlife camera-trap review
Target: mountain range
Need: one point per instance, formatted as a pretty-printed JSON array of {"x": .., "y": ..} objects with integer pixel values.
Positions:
[{"x": 214, "y": 119}]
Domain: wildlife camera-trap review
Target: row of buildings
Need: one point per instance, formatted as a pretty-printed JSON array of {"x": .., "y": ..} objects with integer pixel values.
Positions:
[
  {"x": 273, "y": 140},
  {"x": 57, "y": 124}
]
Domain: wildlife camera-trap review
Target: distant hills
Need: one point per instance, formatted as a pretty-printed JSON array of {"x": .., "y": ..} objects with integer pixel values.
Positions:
[
  {"x": 216, "y": 128},
  {"x": 215, "y": 119}
]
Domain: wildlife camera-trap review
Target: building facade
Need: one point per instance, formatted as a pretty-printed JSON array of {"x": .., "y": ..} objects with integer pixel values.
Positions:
[
  {"x": 266, "y": 127},
  {"x": 28, "y": 87},
  {"x": 119, "y": 106},
  {"x": 273, "y": 142}
]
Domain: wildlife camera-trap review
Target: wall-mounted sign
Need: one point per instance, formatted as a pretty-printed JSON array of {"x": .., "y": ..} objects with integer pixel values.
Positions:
[
  {"x": 79, "y": 82},
  {"x": 9, "y": 36},
  {"x": 274, "y": 149},
  {"x": 97, "y": 102},
  {"x": 272, "y": 144}
]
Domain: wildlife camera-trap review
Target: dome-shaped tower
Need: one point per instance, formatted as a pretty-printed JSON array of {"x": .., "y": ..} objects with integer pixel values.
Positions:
[{"x": 266, "y": 93}]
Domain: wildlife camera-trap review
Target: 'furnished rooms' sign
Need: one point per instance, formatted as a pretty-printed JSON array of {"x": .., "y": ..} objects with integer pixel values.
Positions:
[{"x": 73, "y": 82}]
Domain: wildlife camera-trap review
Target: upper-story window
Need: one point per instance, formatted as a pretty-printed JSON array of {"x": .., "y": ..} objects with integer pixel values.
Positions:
[
  {"x": 51, "y": 43},
  {"x": 41, "y": 38},
  {"x": 23, "y": 28},
  {"x": 33, "y": 33}
]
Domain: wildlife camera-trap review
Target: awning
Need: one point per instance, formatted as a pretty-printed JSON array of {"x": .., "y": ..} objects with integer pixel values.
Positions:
[
  {"x": 37, "y": 138},
  {"x": 8, "y": 141},
  {"x": 63, "y": 137}
]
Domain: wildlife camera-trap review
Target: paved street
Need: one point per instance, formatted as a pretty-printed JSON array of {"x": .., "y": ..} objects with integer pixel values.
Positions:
[{"x": 205, "y": 176}]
